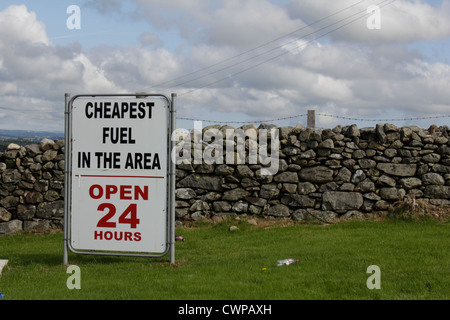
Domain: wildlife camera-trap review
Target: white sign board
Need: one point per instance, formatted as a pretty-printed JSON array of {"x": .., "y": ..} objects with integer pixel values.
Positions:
[{"x": 119, "y": 174}]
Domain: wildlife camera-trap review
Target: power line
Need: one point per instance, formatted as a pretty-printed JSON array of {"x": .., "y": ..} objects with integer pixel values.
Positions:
[
  {"x": 251, "y": 50},
  {"x": 276, "y": 48},
  {"x": 270, "y": 50}
]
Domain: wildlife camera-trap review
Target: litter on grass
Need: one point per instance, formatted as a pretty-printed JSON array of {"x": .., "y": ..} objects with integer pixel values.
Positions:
[{"x": 286, "y": 262}]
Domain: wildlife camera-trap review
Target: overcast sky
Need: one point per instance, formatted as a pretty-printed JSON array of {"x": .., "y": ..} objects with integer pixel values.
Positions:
[{"x": 230, "y": 60}]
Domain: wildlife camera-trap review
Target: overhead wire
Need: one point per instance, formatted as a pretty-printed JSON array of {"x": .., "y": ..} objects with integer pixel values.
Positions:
[
  {"x": 253, "y": 49},
  {"x": 281, "y": 54},
  {"x": 253, "y": 57}
]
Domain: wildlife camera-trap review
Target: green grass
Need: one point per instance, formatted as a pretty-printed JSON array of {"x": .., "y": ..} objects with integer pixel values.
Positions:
[{"x": 214, "y": 263}]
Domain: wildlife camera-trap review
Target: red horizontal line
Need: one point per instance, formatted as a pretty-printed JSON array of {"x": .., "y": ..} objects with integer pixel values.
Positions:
[{"x": 106, "y": 176}]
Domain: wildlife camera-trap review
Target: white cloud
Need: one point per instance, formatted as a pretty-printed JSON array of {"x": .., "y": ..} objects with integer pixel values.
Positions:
[
  {"x": 35, "y": 74},
  {"x": 348, "y": 75},
  {"x": 12, "y": 22},
  {"x": 249, "y": 23},
  {"x": 401, "y": 20}
]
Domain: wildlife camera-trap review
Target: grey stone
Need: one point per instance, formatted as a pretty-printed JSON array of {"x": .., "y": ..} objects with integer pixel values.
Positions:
[
  {"x": 388, "y": 127},
  {"x": 37, "y": 226},
  {"x": 269, "y": 191},
  {"x": 9, "y": 202},
  {"x": 390, "y": 153},
  {"x": 326, "y": 144},
  {"x": 221, "y": 206},
  {"x": 33, "y": 197},
  {"x": 358, "y": 176},
  {"x": 344, "y": 175},
  {"x": 410, "y": 183},
  {"x": 314, "y": 215},
  {"x": 5, "y": 215},
  {"x": 11, "y": 176},
  {"x": 278, "y": 210},
  {"x": 319, "y": 174},
  {"x": 372, "y": 196},
  {"x": 243, "y": 171},
  {"x": 212, "y": 183},
  {"x": 46, "y": 144},
  {"x": 41, "y": 185},
  {"x": 197, "y": 216},
  {"x": 432, "y": 157},
  {"x": 185, "y": 193},
  {"x": 26, "y": 212},
  {"x": 367, "y": 163},
  {"x": 289, "y": 187},
  {"x": 358, "y": 154},
  {"x": 204, "y": 168},
  {"x": 396, "y": 169},
  {"x": 365, "y": 186},
  {"x": 240, "y": 207},
  {"x": 346, "y": 186},
  {"x": 352, "y": 131},
  {"x": 181, "y": 212},
  {"x": 433, "y": 178},
  {"x": 381, "y": 205},
  {"x": 298, "y": 200},
  {"x": 10, "y": 227},
  {"x": 235, "y": 194},
  {"x": 306, "y": 188},
  {"x": 259, "y": 202},
  {"x": 441, "y": 168},
  {"x": 49, "y": 155},
  {"x": 437, "y": 192},
  {"x": 392, "y": 194},
  {"x": 340, "y": 201},
  {"x": 224, "y": 170},
  {"x": 386, "y": 181},
  {"x": 48, "y": 210},
  {"x": 305, "y": 134},
  {"x": 289, "y": 177},
  {"x": 309, "y": 154},
  {"x": 379, "y": 130},
  {"x": 33, "y": 149},
  {"x": 199, "y": 205},
  {"x": 249, "y": 183},
  {"x": 285, "y": 132}
]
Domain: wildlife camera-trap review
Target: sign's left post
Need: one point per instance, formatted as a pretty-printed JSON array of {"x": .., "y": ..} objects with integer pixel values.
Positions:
[{"x": 66, "y": 177}]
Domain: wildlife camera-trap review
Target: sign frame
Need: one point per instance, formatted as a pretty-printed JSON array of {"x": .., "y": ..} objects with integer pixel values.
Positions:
[{"x": 170, "y": 174}]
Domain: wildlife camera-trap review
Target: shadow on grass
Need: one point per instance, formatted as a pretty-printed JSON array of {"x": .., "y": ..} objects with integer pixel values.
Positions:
[{"x": 112, "y": 259}]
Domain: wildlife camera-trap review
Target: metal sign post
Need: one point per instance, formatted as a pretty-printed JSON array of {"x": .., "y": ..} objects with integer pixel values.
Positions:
[{"x": 120, "y": 178}]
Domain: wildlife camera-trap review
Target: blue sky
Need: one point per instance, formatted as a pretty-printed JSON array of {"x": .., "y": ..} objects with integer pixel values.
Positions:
[{"x": 230, "y": 60}]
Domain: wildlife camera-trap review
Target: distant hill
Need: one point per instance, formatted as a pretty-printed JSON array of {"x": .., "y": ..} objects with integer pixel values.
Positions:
[
  {"x": 29, "y": 135},
  {"x": 24, "y": 137}
]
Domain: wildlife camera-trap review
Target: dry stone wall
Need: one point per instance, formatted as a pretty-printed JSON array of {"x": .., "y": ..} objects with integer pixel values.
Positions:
[
  {"x": 327, "y": 173},
  {"x": 344, "y": 171},
  {"x": 32, "y": 187}
]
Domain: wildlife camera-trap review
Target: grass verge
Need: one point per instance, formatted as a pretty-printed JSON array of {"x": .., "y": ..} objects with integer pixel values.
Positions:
[{"x": 216, "y": 264}]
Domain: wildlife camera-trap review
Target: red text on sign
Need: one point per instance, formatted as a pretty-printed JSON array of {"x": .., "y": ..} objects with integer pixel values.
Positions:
[
  {"x": 117, "y": 235},
  {"x": 126, "y": 192},
  {"x": 129, "y": 216}
]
